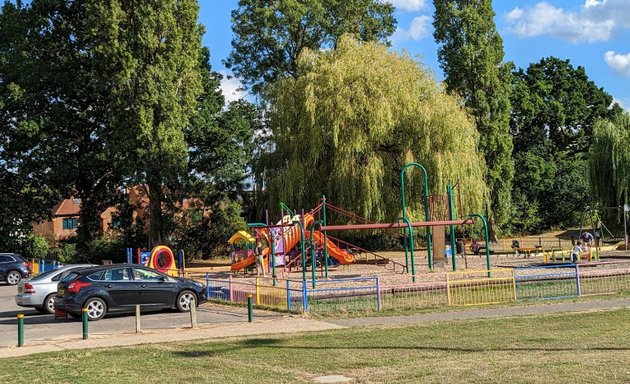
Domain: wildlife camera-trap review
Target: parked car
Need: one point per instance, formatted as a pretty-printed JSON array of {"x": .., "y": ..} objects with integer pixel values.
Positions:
[
  {"x": 120, "y": 287},
  {"x": 13, "y": 268},
  {"x": 39, "y": 292}
]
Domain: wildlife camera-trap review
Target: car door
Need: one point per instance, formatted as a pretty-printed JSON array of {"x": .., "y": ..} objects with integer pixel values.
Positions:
[
  {"x": 4, "y": 262},
  {"x": 156, "y": 290},
  {"x": 121, "y": 287}
]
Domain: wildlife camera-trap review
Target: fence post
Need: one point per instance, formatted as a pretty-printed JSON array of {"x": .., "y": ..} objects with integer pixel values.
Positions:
[
  {"x": 448, "y": 290},
  {"x": 304, "y": 297},
  {"x": 193, "y": 314},
  {"x": 288, "y": 296},
  {"x": 257, "y": 292},
  {"x": 577, "y": 280},
  {"x": 207, "y": 285},
  {"x": 378, "y": 294},
  {"x": 230, "y": 288},
  {"x": 138, "y": 323}
]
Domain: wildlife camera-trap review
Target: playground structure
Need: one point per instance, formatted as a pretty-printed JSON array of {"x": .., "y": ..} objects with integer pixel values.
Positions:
[
  {"x": 160, "y": 258},
  {"x": 293, "y": 230}
]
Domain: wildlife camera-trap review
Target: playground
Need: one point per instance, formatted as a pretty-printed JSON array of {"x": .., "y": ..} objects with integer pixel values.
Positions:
[{"x": 304, "y": 265}]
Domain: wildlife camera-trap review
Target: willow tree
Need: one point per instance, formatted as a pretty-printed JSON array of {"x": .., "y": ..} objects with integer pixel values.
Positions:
[
  {"x": 355, "y": 116},
  {"x": 610, "y": 162}
]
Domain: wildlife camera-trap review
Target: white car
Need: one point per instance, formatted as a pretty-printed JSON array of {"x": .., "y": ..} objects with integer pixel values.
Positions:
[{"x": 39, "y": 292}]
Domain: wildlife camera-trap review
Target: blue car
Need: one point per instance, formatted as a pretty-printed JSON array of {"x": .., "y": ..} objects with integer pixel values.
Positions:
[
  {"x": 120, "y": 287},
  {"x": 13, "y": 268}
]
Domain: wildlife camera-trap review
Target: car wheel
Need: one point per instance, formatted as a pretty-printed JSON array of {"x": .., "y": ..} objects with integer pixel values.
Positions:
[
  {"x": 49, "y": 304},
  {"x": 185, "y": 300},
  {"x": 96, "y": 308},
  {"x": 13, "y": 277}
]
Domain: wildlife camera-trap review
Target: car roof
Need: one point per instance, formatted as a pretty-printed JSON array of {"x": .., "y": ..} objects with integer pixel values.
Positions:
[{"x": 100, "y": 268}]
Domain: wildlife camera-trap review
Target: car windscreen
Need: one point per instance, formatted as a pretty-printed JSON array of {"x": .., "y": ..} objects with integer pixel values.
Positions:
[{"x": 44, "y": 275}]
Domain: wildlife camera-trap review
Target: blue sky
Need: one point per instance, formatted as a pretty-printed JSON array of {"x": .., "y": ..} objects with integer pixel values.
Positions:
[{"x": 592, "y": 33}]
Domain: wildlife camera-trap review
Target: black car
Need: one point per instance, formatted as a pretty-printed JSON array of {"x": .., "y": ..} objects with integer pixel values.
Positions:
[
  {"x": 13, "y": 268},
  {"x": 120, "y": 287}
]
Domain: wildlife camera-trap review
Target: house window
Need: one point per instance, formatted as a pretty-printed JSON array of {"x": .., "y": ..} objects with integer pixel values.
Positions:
[{"x": 70, "y": 223}]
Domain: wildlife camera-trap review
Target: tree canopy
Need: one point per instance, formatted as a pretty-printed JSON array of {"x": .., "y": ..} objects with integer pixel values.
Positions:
[
  {"x": 270, "y": 36},
  {"x": 152, "y": 52},
  {"x": 471, "y": 55},
  {"x": 353, "y": 118},
  {"x": 555, "y": 107}
]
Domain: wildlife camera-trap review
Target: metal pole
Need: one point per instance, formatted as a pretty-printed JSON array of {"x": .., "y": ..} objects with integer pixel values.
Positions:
[
  {"x": 84, "y": 318},
  {"x": 487, "y": 237},
  {"x": 626, "y": 208},
  {"x": 317, "y": 222},
  {"x": 411, "y": 245},
  {"x": 298, "y": 222},
  {"x": 325, "y": 237},
  {"x": 426, "y": 204},
  {"x": 250, "y": 309},
  {"x": 20, "y": 318},
  {"x": 449, "y": 192}
]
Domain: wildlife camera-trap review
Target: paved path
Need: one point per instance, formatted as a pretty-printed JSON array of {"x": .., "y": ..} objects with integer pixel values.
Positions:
[{"x": 282, "y": 324}]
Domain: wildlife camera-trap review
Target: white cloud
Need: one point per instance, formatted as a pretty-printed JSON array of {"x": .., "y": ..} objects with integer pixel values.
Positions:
[
  {"x": 619, "y": 62},
  {"x": 595, "y": 20},
  {"x": 625, "y": 103},
  {"x": 408, "y": 5},
  {"x": 231, "y": 88},
  {"x": 419, "y": 28}
]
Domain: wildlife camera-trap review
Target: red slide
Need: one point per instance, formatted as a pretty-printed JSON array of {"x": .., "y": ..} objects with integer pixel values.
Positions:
[{"x": 343, "y": 257}]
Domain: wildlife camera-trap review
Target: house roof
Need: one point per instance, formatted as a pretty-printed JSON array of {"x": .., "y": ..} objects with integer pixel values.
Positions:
[{"x": 67, "y": 207}]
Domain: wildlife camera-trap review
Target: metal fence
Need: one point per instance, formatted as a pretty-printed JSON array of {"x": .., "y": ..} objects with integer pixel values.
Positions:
[
  {"x": 546, "y": 282},
  {"x": 480, "y": 287},
  {"x": 367, "y": 294}
]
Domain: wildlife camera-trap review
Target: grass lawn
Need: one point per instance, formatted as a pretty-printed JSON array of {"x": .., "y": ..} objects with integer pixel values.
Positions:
[{"x": 590, "y": 347}]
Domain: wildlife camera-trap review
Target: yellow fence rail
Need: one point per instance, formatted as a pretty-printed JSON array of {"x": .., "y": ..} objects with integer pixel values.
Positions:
[{"x": 480, "y": 287}]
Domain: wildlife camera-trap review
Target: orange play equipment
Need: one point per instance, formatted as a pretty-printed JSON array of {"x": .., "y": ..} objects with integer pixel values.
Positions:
[
  {"x": 162, "y": 260},
  {"x": 291, "y": 237}
]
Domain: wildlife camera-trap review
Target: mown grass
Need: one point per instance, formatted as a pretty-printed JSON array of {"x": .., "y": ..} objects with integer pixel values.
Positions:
[{"x": 589, "y": 347}]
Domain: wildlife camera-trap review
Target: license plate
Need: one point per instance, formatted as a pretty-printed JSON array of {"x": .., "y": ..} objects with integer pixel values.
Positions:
[{"x": 60, "y": 292}]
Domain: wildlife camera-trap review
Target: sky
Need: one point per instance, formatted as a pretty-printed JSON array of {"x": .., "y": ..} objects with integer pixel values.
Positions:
[{"x": 590, "y": 33}]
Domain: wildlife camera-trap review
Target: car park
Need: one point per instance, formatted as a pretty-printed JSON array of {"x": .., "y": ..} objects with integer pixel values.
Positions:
[
  {"x": 39, "y": 292},
  {"x": 120, "y": 287},
  {"x": 13, "y": 268}
]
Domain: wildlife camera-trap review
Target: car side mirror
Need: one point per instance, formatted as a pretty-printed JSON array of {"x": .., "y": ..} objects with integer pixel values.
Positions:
[{"x": 162, "y": 279}]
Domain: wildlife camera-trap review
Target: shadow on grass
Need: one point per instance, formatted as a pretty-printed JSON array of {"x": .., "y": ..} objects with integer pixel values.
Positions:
[{"x": 276, "y": 344}]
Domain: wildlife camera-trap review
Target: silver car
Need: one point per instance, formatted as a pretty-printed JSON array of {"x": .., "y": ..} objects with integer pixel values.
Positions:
[{"x": 39, "y": 292}]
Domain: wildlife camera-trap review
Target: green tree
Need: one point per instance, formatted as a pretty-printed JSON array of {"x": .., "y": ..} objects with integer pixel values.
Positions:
[
  {"x": 54, "y": 110},
  {"x": 555, "y": 107},
  {"x": 271, "y": 35},
  {"x": 355, "y": 116},
  {"x": 610, "y": 162},
  {"x": 471, "y": 56},
  {"x": 151, "y": 51}
]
